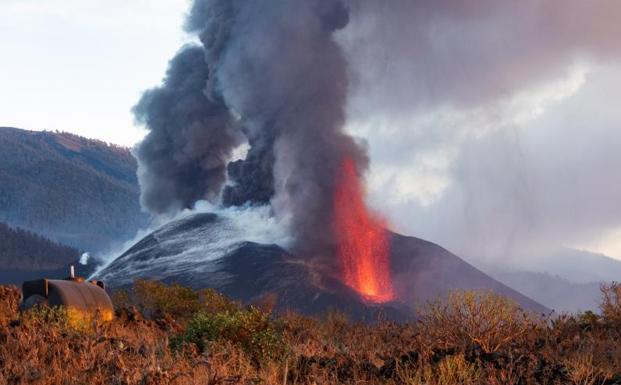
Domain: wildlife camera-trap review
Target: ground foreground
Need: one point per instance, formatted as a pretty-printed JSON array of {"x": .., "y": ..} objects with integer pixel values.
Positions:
[{"x": 173, "y": 335}]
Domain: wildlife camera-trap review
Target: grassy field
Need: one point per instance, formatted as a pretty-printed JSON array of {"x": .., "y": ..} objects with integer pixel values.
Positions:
[{"x": 173, "y": 335}]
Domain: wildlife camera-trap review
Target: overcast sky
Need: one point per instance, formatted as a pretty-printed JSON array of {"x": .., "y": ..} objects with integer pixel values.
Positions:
[
  {"x": 80, "y": 65},
  {"x": 493, "y": 126}
]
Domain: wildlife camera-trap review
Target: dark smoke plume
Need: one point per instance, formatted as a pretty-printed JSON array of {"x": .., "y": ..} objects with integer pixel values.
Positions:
[
  {"x": 278, "y": 70},
  {"x": 183, "y": 158},
  {"x": 253, "y": 178}
]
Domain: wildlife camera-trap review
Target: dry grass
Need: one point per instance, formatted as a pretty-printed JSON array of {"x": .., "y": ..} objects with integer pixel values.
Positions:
[
  {"x": 9, "y": 302},
  {"x": 170, "y": 335}
]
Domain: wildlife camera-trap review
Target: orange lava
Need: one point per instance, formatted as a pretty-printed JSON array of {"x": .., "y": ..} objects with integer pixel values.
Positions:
[{"x": 363, "y": 245}]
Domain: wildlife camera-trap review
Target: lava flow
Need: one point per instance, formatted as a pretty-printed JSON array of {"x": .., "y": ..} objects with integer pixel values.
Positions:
[{"x": 363, "y": 245}]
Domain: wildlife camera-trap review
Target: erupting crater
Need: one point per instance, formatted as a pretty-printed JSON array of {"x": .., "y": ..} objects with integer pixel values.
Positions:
[{"x": 363, "y": 244}]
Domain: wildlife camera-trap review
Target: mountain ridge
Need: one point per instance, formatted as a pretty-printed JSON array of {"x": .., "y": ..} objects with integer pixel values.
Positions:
[{"x": 80, "y": 192}]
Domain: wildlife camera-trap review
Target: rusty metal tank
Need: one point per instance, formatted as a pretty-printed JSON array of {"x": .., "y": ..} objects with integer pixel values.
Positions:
[{"x": 75, "y": 293}]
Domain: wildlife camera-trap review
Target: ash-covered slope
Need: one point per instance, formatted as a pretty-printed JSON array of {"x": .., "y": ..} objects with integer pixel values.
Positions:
[{"x": 204, "y": 250}]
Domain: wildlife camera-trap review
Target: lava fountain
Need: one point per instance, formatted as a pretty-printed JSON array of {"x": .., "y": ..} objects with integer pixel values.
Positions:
[{"x": 363, "y": 245}]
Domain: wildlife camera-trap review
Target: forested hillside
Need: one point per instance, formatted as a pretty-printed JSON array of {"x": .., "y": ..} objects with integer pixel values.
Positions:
[
  {"x": 25, "y": 255},
  {"x": 24, "y": 250},
  {"x": 76, "y": 191}
]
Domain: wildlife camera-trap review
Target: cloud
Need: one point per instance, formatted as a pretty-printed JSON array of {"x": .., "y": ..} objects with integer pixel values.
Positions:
[
  {"x": 492, "y": 125},
  {"x": 420, "y": 54},
  {"x": 520, "y": 189}
]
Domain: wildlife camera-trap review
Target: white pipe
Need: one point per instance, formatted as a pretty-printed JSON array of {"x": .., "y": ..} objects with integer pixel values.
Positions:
[{"x": 72, "y": 272}]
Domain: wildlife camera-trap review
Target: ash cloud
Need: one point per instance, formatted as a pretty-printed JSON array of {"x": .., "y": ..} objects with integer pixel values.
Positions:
[
  {"x": 277, "y": 65},
  {"x": 252, "y": 177},
  {"x": 183, "y": 158},
  {"x": 418, "y": 54},
  {"x": 276, "y": 68}
]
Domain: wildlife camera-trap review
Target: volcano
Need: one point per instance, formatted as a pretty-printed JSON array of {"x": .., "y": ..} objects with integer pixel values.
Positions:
[{"x": 207, "y": 251}]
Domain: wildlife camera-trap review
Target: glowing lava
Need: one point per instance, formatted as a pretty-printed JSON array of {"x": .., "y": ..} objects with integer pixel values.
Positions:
[{"x": 363, "y": 245}]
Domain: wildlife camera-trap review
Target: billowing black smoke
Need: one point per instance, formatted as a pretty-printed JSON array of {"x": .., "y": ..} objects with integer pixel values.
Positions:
[
  {"x": 277, "y": 69},
  {"x": 252, "y": 177},
  {"x": 183, "y": 158}
]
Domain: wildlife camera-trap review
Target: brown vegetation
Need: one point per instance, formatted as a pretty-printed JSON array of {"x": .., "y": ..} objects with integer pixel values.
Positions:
[{"x": 173, "y": 335}]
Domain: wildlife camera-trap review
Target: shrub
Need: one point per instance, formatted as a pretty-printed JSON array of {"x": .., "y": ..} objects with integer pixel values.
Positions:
[
  {"x": 336, "y": 322},
  {"x": 457, "y": 370},
  {"x": 9, "y": 303},
  {"x": 154, "y": 298},
  {"x": 610, "y": 305},
  {"x": 62, "y": 317},
  {"x": 47, "y": 315},
  {"x": 250, "y": 328},
  {"x": 121, "y": 298},
  {"x": 213, "y": 302},
  {"x": 582, "y": 370},
  {"x": 451, "y": 370},
  {"x": 267, "y": 302},
  {"x": 469, "y": 318}
]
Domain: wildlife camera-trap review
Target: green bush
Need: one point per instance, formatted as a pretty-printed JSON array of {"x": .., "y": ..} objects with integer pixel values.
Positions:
[
  {"x": 250, "y": 328},
  {"x": 56, "y": 316},
  {"x": 153, "y": 297}
]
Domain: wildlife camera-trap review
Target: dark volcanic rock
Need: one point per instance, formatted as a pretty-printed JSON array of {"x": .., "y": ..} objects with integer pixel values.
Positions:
[
  {"x": 423, "y": 271},
  {"x": 206, "y": 250}
]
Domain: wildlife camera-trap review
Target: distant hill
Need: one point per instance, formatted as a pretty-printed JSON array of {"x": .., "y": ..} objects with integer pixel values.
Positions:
[
  {"x": 77, "y": 191},
  {"x": 25, "y": 255},
  {"x": 580, "y": 266},
  {"x": 576, "y": 266},
  {"x": 22, "y": 249},
  {"x": 563, "y": 279},
  {"x": 552, "y": 291}
]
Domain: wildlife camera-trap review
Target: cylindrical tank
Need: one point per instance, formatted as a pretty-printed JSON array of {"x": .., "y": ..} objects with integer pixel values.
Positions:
[{"x": 74, "y": 293}]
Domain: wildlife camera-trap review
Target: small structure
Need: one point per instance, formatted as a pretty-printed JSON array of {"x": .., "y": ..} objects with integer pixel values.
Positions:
[{"x": 73, "y": 292}]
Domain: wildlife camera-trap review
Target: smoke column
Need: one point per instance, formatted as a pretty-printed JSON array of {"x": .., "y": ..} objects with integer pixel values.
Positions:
[
  {"x": 183, "y": 158},
  {"x": 272, "y": 71}
]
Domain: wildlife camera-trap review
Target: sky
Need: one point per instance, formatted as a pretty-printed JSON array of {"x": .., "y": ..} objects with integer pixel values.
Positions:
[
  {"x": 493, "y": 126},
  {"x": 80, "y": 65}
]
